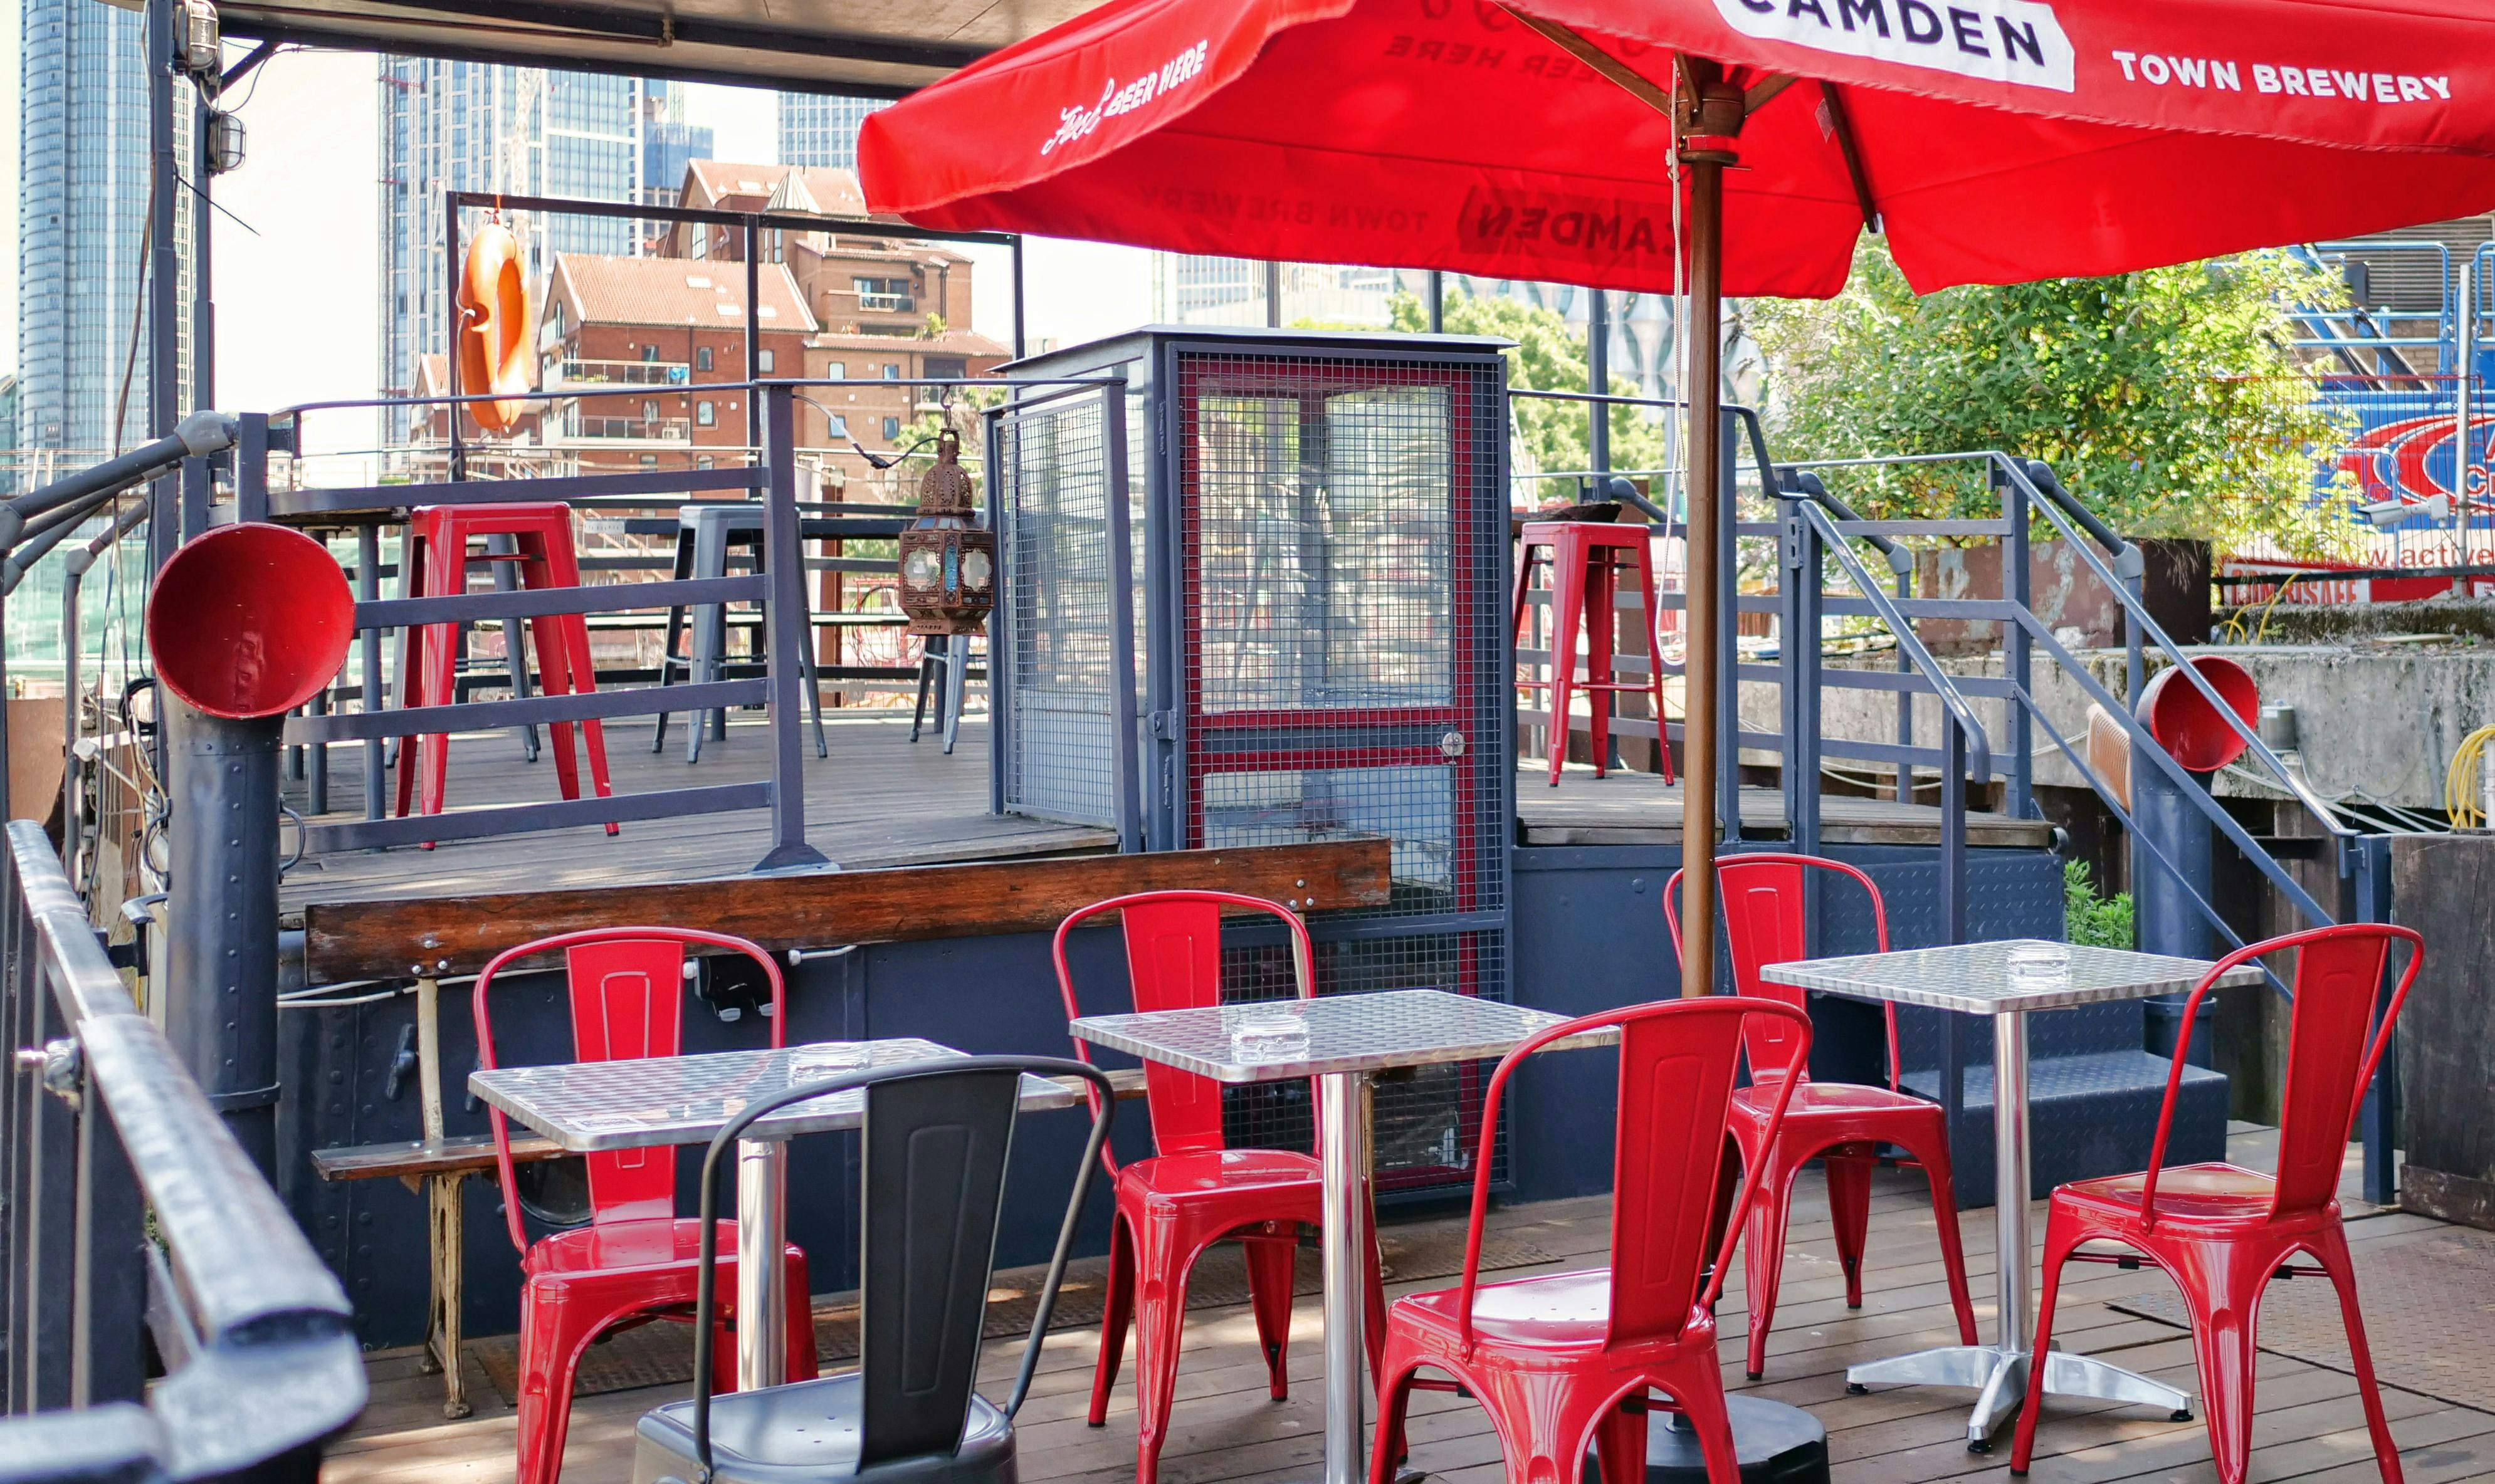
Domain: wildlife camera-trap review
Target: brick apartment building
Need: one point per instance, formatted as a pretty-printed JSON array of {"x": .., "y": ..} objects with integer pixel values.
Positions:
[{"x": 642, "y": 339}]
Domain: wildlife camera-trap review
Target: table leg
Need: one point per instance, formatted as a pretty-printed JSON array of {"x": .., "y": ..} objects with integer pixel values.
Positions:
[
  {"x": 1342, "y": 1156},
  {"x": 761, "y": 1273},
  {"x": 1999, "y": 1370}
]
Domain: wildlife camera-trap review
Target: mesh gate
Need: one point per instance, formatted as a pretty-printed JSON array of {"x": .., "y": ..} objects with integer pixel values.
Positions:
[
  {"x": 1342, "y": 534},
  {"x": 1063, "y": 519}
]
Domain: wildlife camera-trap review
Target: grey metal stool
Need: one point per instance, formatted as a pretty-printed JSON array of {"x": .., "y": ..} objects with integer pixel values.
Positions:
[
  {"x": 705, "y": 536},
  {"x": 933, "y": 1154},
  {"x": 944, "y": 669}
]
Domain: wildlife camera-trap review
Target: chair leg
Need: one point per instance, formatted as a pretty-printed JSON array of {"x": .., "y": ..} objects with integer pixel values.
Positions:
[
  {"x": 675, "y": 633},
  {"x": 553, "y": 1334},
  {"x": 1849, "y": 1210},
  {"x": 1601, "y": 618},
  {"x": 2332, "y": 1250},
  {"x": 1701, "y": 1403},
  {"x": 1272, "y": 1264},
  {"x": 1161, "y": 1314},
  {"x": 2061, "y": 1236},
  {"x": 1394, "y": 1396},
  {"x": 803, "y": 1365},
  {"x": 554, "y": 676},
  {"x": 1932, "y": 1153},
  {"x": 1559, "y": 1423},
  {"x": 1619, "y": 1444},
  {"x": 2223, "y": 1299},
  {"x": 1763, "y": 1253},
  {"x": 1116, "y": 1317},
  {"x": 1568, "y": 602},
  {"x": 1649, "y": 616}
]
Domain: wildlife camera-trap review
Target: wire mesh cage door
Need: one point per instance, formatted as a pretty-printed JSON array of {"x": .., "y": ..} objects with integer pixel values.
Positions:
[
  {"x": 1062, "y": 636},
  {"x": 1341, "y": 559}
]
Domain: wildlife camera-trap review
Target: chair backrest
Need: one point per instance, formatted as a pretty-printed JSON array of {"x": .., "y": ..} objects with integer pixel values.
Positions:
[
  {"x": 625, "y": 988},
  {"x": 934, "y": 1141},
  {"x": 2330, "y": 1056},
  {"x": 1766, "y": 920},
  {"x": 1677, "y": 1065},
  {"x": 1174, "y": 963}
]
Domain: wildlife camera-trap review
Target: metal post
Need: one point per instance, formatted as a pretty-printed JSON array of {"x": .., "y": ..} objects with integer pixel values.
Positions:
[
  {"x": 1598, "y": 380},
  {"x": 1953, "y": 828},
  {"x": 2464, "y": 317},
  {"x": 2010, "y": 1176},
  {"x": 1437, "y": 302},
  {"x": 992, "y": 443},
  {"x": 451, "y": 331},
  {"x": 1020, "y": 349},
  {"x": 164, "y": 262},
  {"x": 1124, "y": 763},
  {"x": 754, "y": 336},
  {"x": 74, "y": 565},
  {"x": 108, "y": 1288},
  {"x": 1343, "y": 1170},
  {"x": 2167, "y": 820},
  {"x": 221, "y": 1011},
  {"x": 761, "y": 1235},
  {"x": 2017, "y": 650},
  {"x": 1702, "y": 619},
  {"x": 1272, "y": 295},
  {"x": 1728, "y": 633},
  {"x": 1905, "y": 704},
  {"x": 786, "y": 664},
  {"x": 1801, "y": 657},
  {"x": 2369, "y": 886},
  {"x": 368, "y": 669}
]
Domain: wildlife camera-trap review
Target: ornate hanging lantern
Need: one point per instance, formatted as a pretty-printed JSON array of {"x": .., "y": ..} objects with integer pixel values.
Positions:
[{"x": 948, "y": 564}]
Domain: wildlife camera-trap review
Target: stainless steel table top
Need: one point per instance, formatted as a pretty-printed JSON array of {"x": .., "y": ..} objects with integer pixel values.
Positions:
[
  {"x": 684, "y": 1100},
  {"x": 1270, "y": 1041},
  {"x": 1974, "y": 978}
]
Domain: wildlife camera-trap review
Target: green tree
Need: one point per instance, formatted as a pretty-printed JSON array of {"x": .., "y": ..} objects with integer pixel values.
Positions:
[
  {"x": 2169, "y": 399},
  {"x": 1549, "y": 355}
]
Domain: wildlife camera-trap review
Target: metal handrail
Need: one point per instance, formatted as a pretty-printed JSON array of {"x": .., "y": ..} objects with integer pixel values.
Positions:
[{"x": 257, "y": 1336}]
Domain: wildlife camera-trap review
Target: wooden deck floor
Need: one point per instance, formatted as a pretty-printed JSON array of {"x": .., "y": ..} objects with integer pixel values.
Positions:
[
  {"x": 2309, "y": 1427},
  {"x": 1639, "y": 809},
  {"x": 876, "y": 800}
]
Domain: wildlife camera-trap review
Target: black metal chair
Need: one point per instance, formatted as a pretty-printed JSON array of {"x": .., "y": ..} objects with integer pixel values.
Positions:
[{"x": 934, "y": 1144}]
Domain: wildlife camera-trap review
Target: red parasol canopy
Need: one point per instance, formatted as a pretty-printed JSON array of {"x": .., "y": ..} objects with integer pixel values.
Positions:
[
  {"x": 1996, "y": 141},
  {"x": 1993, "y": 140}
]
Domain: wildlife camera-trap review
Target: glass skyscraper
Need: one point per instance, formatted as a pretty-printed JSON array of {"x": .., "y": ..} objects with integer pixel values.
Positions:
[
  {"x": 82, "y": 209},
  {"x": 474, "y": 126},
  {"x": 821, "y": 132},
  {"x": 667, "y": 143}
]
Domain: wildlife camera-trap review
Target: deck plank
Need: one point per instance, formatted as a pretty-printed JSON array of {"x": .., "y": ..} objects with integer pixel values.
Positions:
[
  {"x": 1639, "y": 809},
  {"x": 1225, "y": 1430}
]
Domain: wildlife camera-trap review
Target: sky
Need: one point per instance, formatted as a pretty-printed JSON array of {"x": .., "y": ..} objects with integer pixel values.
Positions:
[{"x": 295, "y": 249}]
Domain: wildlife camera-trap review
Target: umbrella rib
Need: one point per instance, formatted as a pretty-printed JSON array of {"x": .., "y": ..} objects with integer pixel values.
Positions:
[
  {"x": 1635, "y": 84},
  {"x": 1843, "y": 126}
]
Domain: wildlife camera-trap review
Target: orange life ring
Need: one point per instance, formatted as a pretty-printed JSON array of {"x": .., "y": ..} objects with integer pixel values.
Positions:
[{"x": 494, "y": 354}]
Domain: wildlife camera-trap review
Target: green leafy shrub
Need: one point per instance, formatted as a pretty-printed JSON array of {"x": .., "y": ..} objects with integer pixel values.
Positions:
[{"x": 2091, "y": 921}]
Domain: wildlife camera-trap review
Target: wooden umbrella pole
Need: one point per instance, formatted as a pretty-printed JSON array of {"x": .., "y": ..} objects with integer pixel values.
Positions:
[{"x": 1703, "y": 621}]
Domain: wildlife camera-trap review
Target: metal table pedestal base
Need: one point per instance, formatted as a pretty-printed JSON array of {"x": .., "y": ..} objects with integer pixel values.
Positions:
[
  {"x": 1998, "y": 1375},
  {"x": 1776, "y": 1444}
]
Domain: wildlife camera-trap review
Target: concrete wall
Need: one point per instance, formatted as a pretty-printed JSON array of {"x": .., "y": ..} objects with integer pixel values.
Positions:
[{"x": 2378, "y": 722}]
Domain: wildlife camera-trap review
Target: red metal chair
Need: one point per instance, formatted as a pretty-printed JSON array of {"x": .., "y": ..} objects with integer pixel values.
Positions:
[
  {"x": 2221, "y": 1231},
  {"x": 1194, "y": 1190},
  {"x": 1840, "y": 1124},
  {"x": 636, "y": 1259},
  {"x": 1566, "y": 1360},
  {"x": 437, "y": 565}
]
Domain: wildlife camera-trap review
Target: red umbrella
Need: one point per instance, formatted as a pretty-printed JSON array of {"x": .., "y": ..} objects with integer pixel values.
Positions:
[{"x": 1993, "y": 142}]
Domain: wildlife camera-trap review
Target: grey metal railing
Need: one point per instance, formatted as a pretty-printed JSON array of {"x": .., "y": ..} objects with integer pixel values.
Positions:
[{"x": 132, "y": 1216}]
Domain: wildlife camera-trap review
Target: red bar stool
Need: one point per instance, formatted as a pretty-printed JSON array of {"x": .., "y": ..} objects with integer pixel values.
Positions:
[
  {"x": 436, "y": 562},
  {"x": 2221, "y": 1231},
  {"x": 1584, "y": 558},
  {"x": 1840, "y": 1124}
]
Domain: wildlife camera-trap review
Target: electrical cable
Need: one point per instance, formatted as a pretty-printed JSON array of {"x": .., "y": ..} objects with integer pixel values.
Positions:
[{"x": 2461, "y": 780}]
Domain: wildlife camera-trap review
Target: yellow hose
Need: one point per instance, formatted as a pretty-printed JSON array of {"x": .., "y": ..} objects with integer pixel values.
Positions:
[{"x": 2460, "y": 782}]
